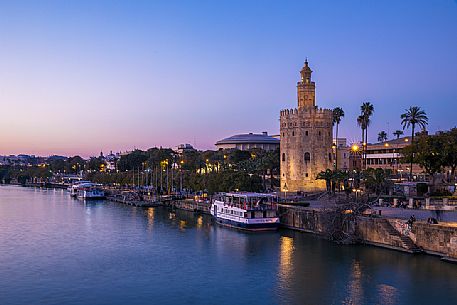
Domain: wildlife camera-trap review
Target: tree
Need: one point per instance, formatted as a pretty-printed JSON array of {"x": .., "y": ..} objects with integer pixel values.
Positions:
[
  {"x": 75, "y": 164},
  {"x": 398, "y": 133},
  {"x": 338, "y": 113},
  {"x": 132, "y": 160},
  {"x": 382, "y": 136},
  {"x": 427, "y": 153},
  {"x": 449, "y": 150},
  {"x": 367, "y": 110},
  {"x": 328, "y": 176},
  {"x": 361, "y": 124},
  {"x": 412, "y": 117},
  {"x": 95, "y": 164},
  {"x": 376, "y": 180}
]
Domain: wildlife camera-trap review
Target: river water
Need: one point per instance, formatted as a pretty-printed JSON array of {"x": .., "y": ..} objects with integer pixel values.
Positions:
[{"x": 58, "y": 250}]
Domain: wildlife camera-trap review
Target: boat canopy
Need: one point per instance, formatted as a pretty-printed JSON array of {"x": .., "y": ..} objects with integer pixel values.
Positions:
[{"x": 250, "y": 198}]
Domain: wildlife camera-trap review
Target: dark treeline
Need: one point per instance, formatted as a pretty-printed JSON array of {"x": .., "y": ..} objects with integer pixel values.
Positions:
[
  {"x": 164, "y": 170},
  {"x": 211, "y": 171}
]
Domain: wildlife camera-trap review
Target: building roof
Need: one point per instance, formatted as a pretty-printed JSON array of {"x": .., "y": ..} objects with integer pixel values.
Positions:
[
  {"x": 262, "y": 138},
  {"x": 403, "y": 141}
]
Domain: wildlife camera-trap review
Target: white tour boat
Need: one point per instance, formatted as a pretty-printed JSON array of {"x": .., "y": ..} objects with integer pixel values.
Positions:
[
  {"x": 247, "y": 211},
  {"x": 89, "y": 190},
  {"x": 73, "y": 189}
]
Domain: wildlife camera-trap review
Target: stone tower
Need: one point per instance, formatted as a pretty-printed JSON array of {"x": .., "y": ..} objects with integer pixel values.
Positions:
[{"x": 306, "y": 139}]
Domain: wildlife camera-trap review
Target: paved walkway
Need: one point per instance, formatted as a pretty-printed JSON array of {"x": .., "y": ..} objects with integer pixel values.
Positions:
[
  {"x": 420, "y": 214},
  {"x": 447, "y": 216}
]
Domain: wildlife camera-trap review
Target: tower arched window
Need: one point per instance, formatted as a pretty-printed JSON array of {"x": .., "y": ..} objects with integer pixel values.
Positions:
[
  {"x": 293, "y": 133},
  {"x": 307, "y": 157},
  {"x": 283, "y": 157}
]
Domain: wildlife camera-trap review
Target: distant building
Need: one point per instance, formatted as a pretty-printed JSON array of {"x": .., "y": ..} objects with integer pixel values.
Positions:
[
  {"x": 249, "y": 141},
  {"x": 387, "y": 155},
  {"x": 182, "y": 148},
  {"x": 111, "y": 161},
  {"x": 306, "y": 139},
  {"x": 342, "y": 154}
]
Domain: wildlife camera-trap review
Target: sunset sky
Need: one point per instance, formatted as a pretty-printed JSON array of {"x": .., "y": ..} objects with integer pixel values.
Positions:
[{"x": 78, "y": 77}]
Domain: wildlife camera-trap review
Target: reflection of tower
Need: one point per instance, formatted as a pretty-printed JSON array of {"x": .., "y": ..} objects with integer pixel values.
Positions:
[
  {"x": 285, "y": 258},
  {"x": 306, "y": 139}
]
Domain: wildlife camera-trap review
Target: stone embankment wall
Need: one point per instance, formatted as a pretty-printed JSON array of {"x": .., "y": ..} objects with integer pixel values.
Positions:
[
  {"x": 438, "y": 239},
  {"x": 375, "y": 231},
  {"x": 190, "y": 205},
  {"x": 304, "y": 219}
]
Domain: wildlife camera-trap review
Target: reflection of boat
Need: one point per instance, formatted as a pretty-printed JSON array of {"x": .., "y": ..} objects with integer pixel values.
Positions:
[{"x": 247, "y": 211}]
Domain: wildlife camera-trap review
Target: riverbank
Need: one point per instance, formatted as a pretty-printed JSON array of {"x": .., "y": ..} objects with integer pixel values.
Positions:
[{"x": 391, "y": 233}]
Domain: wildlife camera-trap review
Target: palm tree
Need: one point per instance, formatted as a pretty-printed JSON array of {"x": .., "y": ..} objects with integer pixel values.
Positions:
[
  {"x": 398, "y": 133},
  {"x": 327, "y": 175},
  {"x": 412, "y": 117},
  {"x": 382, "y": 136},
  {"x": 338, "y": 113},
  {"x": 361, "y": 124},
  {"x": 367, "y": 110}
]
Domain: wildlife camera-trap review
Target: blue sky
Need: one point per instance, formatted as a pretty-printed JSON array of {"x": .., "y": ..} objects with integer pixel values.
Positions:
[{"x": 84, "y": 76}]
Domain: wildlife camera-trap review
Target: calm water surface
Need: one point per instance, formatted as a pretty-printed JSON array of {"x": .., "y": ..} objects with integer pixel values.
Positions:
[{"x": 57, "y": 250}]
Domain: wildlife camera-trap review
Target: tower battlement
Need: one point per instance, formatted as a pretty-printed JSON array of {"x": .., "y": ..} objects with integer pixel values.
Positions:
[{"x": 310, "y": 111}]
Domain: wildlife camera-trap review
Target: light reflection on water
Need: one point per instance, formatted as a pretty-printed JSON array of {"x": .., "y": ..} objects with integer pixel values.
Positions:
[{"x": 57, "y": 250}]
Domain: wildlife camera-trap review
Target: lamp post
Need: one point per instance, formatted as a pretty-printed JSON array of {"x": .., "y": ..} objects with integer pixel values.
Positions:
[{"x": 180, "y": 171}]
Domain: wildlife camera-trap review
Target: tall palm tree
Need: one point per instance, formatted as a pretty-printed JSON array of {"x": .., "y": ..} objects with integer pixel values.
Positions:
[
  {"x": 367, "y": 110},
  {"x": 338, "y": 113},
  {"x": 398, "y": 133},
  {"x": 382, "y": 136},
  {"x": 412, "y": 117},
  {"x": 361, "y": 124}
]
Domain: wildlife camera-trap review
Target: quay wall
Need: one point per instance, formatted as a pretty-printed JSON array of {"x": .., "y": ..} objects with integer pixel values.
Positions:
[
  {"x": 440, "y": 239},
  {"x": 302, "y": 219},
  {"x": 373, "y": 231},
  {"x": 437, "y": 239}
]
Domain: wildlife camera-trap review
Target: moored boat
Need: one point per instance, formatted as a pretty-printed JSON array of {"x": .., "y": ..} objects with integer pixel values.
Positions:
[
  {"x": 73, "y": 189},
  {"x": 246, "y": 211},
  {"x": 89, "y": 191}
]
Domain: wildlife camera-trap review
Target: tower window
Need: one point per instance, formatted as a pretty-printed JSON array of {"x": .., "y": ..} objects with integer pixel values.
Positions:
[
  {"x": 306, "y": 133},
  {"x": 307, "y": 157},
  {"x": 306, "y": 175},
  {"x": 283, "y": 157},
  {"x": 293, "y": 133},
  {"x": 319, "y": 132}
]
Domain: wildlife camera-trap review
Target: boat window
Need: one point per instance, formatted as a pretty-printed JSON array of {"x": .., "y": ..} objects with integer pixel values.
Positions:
[
  {"x": 245, "y": 215},
  {"x": 252, "y": 214}
]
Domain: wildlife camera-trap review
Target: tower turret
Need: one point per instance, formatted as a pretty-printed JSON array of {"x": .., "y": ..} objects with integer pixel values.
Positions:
[{"x": 306, "y": 89}]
